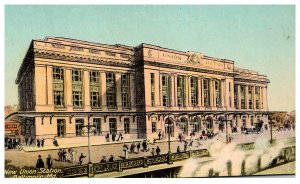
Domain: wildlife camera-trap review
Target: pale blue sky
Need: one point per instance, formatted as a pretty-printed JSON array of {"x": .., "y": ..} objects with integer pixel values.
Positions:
[{"x": 260, "y": 38}]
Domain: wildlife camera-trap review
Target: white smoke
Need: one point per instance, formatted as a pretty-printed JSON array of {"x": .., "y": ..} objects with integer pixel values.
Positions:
[{"x": 222, "y": 153}]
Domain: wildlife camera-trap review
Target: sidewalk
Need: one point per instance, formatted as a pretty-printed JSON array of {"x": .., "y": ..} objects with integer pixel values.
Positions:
[{"x": 46, "y": 148}]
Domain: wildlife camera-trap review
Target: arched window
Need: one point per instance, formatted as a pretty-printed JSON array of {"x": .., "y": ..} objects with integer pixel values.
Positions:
[
  {"x": 184, "y": 125},
  {"x": 209, "y": 123}
]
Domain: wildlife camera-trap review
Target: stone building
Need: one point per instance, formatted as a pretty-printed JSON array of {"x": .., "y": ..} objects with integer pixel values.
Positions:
[{"x": 65, "y": 84}]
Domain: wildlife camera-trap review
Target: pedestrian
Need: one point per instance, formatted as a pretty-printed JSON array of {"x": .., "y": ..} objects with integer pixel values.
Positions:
[
  {"x": 49, "y": 162},
  {"x": 113, "y": 136},
  {"x": 55, "y": 143},
  {"x": 125, "y": 149},
  {"x": 191, "y": 141},
  {"x": 26, "y": 140},
  {"x": 185, "y": 146},
  {"x": 107, "y": 137},
  {"x": 163, "y": 135},
  {"x": 132, "y": 146},
  {"x": 153, "y": 152},
  {"x": 180, "y": 137},
  {"x": 157, "y": 150},
  {"x": 111, "y": 158},
  {"x": 72, "y": 155},
  {"x": 64, "y": 156},
  {"x": 178, "y": 149},
  {"x": 38, "y": 142},
  {"x": 81, "y": 157},
  {"x": 59, "y": 155},
  {"x": 120, "y": 137},
  {"x": 42, "y": 142},
  {"x": 144, "y": 145},
  {"x": 159, "y": 135},
  {"x": 40, "y": 162},
  {"x": 103, "y": 160},
  {"x": 30, "y": 141},
  {"x": 138, "y": 146}
]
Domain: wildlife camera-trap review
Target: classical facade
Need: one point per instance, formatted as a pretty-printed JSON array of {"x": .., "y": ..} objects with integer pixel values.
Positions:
[{"x": 66, "y": 84}]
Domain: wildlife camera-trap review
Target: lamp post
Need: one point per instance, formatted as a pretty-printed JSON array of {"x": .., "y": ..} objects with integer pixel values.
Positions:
[
  {"x": 89, "y": 128},
  {"x": 169, "y": 124}
]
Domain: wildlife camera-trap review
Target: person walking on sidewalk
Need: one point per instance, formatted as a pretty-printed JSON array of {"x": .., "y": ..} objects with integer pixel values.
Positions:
[
  {"x": 42, "y": 142},
  {"x": 138, "y": 146},
  {"x": 81, "y": 159},
  {"x": 113, "y": 136},
  {"x": 120, "y": 137},
  {"x": 111, "y": 158},
  {"x": 159, "y": 135},
  {"x": 107, "y": 137},
  {"x": 40, "y": 163},
  {"x": 157, "y": 150},
  {"x": 125, "y": 149},
  {"x": 49, "y": 162}
]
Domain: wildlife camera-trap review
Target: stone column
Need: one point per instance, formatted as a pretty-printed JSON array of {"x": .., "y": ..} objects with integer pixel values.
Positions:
[
  {"x": 49, "y": 86},
  {"x": 211, "y": 98},
  {"x": 223, "y": 94},
  {"x": 69, "y": 89},
  {"x": 186, "y": 89},
  {"x": 86, "y": 90},
  {"x": 239, "y": 96},
  {"x": 132, "y": 90},
  {"x": 199, "y": 92},
  {"x": 202, "y": 92},
  {"x": 261, "y": 98},
  {"x": 171, "y": 85},
  {"x": 160, "y": 90},
  {"x": 103, "y": 90},
  {"x": 253, "y": 98},
  {"x": 189, "y": 90},
  {"x": 175, "y": 91},
  {"x": 246, "y": 97},
  {"x": 118, "y": 90}
]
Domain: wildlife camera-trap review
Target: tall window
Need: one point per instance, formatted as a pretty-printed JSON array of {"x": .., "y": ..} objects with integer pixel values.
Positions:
[
  {"x": 97, "y": 125},
  {"x": 206, "y": 92},
  {"x": 125, "y": 89},
  {"x": 154, "y": 128},
  {"x": 61, "y": 128},
  {"x": 94, "y": 89},
  {"x": 218, "y": 92},
  {"x": 58, "y": 86},
  {"x": 165, "y": 90},
  {"x": 77, "y": 88},
  {"x": 235, "y": 96},
  {"x": 250, "y": 97},
  {"x": 257, "y": 97},
  {"x": 180, "y": 91},
  {"x": 78, "y": 127},
  {"x": 194, "y": 91},
  {"x": 112, "y": 125},
  {"x": 110, "y": 90},
  {"x": 126, "y": 125},
  {"x": 243, "y": 97},
  {"x": 152, "y": 89}
]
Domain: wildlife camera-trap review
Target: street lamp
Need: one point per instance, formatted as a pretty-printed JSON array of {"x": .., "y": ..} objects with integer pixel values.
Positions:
[
  {"x": 168, "y": 125},
  {"x": 89, "y": 128}
]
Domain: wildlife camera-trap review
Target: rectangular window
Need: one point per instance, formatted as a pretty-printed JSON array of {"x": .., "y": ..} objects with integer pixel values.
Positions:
[
  {"x": 125, "y": 89},
  {"x": 126, "y": 125},
  {"x": 78, "y": 127},
  {"x": 77, "y": 88},
  {"x": 180, "y": 91},
  {"x": 243, "y": 97},
  {"x": 154, "y": 127},
  {"x": 235, "y": 91},
  {"x": 250, "y": 97},
  {"x": 218, "y": 93},
  {"x": 257, "y": 97},
  {"x": 97, "y": 125},
  {"x": 58, "y": 86},
  {"x": 94, "y": 89},
  {"x": 112, "y": 125},
  {"x": 61, "y": 127},
  {"x": 165, "y": 90},
  {"x": 206, "y": 90},
  {"x": 110, "y": 90},
  {"x": 152, "y": 89},
  {"x": 194, "y": 91}
]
